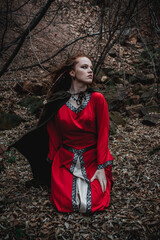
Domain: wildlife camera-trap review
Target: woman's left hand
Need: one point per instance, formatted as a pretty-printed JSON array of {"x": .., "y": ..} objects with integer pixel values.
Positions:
[{"x": 101, "y": 177}]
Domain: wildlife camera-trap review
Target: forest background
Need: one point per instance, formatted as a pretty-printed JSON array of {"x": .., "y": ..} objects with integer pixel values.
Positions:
[{"x": 122, "y": 37}]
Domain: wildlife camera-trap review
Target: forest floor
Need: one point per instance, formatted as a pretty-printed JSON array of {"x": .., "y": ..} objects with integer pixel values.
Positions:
[
  {"x": 134, "y": 211},
  {"x": 134, "y": 208}
]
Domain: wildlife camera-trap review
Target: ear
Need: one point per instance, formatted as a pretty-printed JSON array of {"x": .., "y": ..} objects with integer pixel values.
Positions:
[{"x": 72, "y": 73}]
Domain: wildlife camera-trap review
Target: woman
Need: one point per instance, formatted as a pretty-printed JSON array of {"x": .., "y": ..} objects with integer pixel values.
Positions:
[{"x": 72, "y": 134}]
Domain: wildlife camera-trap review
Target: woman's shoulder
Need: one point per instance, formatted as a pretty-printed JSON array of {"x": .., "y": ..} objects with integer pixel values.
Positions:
[{"x": 98, "y": 95}]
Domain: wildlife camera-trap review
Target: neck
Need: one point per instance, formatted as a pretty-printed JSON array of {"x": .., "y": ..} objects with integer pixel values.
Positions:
[{"x": 76, "y": 88}]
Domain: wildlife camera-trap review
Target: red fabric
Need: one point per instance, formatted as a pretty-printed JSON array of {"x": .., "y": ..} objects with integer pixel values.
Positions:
[{"x": 79, "y": 130}]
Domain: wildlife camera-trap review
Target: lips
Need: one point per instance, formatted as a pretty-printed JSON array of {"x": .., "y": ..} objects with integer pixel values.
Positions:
[{"x": 90, "y": 76}]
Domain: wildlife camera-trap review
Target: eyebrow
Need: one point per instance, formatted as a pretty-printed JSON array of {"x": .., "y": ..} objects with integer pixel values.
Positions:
[{"x": 87, "y": 64}]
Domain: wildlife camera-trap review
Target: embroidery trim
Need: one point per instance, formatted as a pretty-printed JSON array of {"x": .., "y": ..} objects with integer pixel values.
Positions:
[
  {"x": 104, "y": 165},
  {"x": 78, "y": 153},
  {"x": 81, "y": 107}
]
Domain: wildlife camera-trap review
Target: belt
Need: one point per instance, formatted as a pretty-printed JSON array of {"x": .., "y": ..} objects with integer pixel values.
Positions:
[
  {"x": 78, "y": 153},
  {"x": 83, "y": 150}
]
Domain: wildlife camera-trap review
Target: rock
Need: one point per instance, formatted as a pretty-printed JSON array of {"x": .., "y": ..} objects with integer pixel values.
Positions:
[
  {"x": 148, "y": 79},
  {"x": 114, "y": 96},
  {"x": 137, "y": 60},
  {"x": 109, "y": 93},
  {"x": 100, "y": 74},
  {"x": 133, "y": 40},
  {"x": 141, "y": 78},
  {"x": 133, "y": 80},
  {"x": 150, "y": 109},
  {"x": 151, "y": 119},
  {"x": 135, "y": 99},
  {"x": 148, "y": 95},
  {"x": 150, "y": 76},
  {"x": 138, "y": 87},
  {"x": 32, "y": 104},
  {"x": 113, "y": 53},
  {"x": 112, "y": 128},
  {"x": 117, "y": 118},
  {"x": 107, "y": 70},
  {"x": 129, "y": 129},
  {"x": 134, "y": 109},
  {"x": 36, "y": 88},
  {"x": 9, "y": 120},
  {"x": 121, "y": 93},
  {"x": 145, "y": 54},
  {"x": 104, "y": 79}
]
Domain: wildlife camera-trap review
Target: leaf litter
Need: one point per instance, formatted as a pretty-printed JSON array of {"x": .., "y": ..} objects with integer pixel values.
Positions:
[{"x": 134, "y": 211}]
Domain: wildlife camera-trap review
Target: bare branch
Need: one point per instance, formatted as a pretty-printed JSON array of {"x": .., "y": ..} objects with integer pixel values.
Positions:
[
  {"x": 31, "y": 26},
  {"x": 59, "y": 51},
  {"x": 108, "y": 46}
]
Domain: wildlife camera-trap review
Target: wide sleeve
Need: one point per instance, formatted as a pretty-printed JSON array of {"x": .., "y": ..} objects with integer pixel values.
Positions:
[
  {"x": 54, "y": 139},
  {"x": 104, "y": 157}
]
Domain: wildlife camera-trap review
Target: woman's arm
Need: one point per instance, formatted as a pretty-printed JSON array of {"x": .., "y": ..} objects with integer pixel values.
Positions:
[{"x": 104, "y": 158}]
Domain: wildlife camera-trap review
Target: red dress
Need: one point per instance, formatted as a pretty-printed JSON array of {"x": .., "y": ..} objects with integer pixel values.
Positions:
[{"x": 78, "y": 147}]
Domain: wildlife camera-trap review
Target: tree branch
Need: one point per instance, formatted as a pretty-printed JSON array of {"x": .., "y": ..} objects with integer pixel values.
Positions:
[
  {"x": 31, "y": 26},
  {"x": 55, "y": 54}
]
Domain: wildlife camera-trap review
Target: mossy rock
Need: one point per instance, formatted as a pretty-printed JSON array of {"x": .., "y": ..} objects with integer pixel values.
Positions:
[
  {"x": 149, "y": 109},
  {"x": 9, "y": 120},
  {"x": 117, "y": 118},
  {"x": 112, "y": 128},
  {"x": 32, "y": 104}
]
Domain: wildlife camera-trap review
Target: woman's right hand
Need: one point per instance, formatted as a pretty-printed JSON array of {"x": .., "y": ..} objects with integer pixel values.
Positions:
[{"x": 101, "y": 177}]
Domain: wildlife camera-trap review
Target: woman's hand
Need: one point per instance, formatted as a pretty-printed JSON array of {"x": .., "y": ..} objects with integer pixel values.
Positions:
[{"x": 101, "y": 177}]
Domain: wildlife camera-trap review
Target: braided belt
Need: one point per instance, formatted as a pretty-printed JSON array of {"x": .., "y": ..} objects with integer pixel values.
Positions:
[{"x": 83, "y": 150}]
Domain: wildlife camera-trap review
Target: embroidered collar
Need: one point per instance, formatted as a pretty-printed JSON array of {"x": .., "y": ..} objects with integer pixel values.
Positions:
[{"x": 81, "y": 107}]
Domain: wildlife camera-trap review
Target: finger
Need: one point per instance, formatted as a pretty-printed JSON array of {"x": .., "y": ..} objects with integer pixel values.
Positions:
[
  {"x": 101, "y": 183},
  {"x": 105, "y": 185}
]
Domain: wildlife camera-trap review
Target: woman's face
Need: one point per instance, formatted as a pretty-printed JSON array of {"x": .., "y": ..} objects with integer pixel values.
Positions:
[{"x": 83, "y": 71}]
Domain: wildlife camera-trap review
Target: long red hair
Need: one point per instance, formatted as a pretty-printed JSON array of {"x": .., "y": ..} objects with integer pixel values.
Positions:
[{"x": 61, "y": 79}]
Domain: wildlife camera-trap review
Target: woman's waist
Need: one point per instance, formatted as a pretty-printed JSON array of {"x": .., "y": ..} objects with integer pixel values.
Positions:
[
  {"x": 79, "y": 149},
  {"x": 79, "y": 143}
]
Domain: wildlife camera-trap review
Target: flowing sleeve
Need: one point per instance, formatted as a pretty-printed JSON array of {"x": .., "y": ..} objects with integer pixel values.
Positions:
[
  {"x": 104, "y": 157},
  {"x": 54, "y": 139}
]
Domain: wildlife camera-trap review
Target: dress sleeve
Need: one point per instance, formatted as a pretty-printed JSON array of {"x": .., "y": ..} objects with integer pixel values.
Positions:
[
  {"x": 104, "y": 157},
  {"x": 54, "y": 139}
]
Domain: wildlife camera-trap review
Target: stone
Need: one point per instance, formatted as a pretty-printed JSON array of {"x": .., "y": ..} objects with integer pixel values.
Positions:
[
  {"x": 133, "y": 40},
  {"x": 148, "y": 79},
  {"x": 9, "y": 120},
  {"x": 134, "y": 109},
  {"x": 148, "y": 95},
  {"x": 145, "y": 54},
  {"x": 113, "y": 53},
  {"x": 32, "y": 104},
  {"x": 150, "y": 76},
  {"x": 151, "y": 119},
  {"x": 36, "y": 88},
  {"x": 112, "y": 128},
  {"x": 150, "y": 109},
  {"x": 135, "y": 99},
  {"x": 133, "y": 80},
  {"x": 104, "y": 79},
  {"x": 117, "y": 118}
]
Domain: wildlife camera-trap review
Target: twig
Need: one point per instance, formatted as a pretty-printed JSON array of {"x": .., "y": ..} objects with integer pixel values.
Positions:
[
  {"x": 31, "y": 26},
  {"x": 55, "y": 54}
]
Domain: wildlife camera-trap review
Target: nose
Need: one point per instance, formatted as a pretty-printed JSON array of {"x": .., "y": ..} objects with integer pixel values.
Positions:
[{"x": 90, "y": 70}]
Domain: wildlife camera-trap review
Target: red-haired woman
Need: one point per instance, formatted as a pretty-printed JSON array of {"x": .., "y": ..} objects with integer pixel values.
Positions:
[{"x": 71, "y": 138}]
